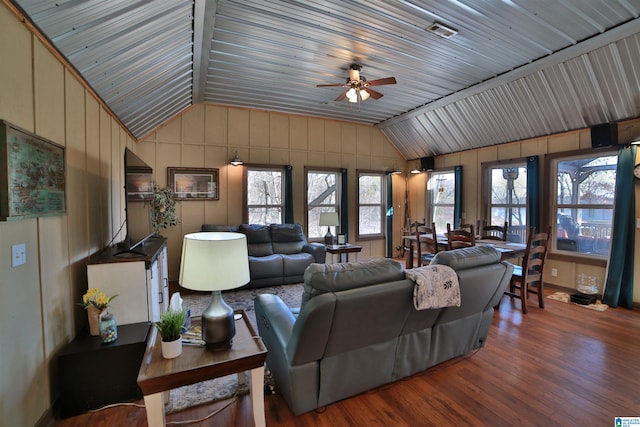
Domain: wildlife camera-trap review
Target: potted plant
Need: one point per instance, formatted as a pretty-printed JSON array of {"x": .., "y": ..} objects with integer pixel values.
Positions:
[
  {"x": 169, "y": 327},
  {"x": 163, "y": 208},
  {"x": 96, "y": 303}
]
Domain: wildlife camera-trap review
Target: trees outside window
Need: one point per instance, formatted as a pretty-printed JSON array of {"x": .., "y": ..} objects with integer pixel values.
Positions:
[
  {"x": 264, "y": 195},
  {"x": 370, "y": 204},
  {"x": 506, "y": 197},
  {"x": 441, "y": 191},
  {"x": 322, "y": 196},
  {"x": 583, "y": 203}
]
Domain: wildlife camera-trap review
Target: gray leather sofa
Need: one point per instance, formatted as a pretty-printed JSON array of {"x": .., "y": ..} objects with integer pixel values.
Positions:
[
  {"x": 278, "y": 253},
  {"x": 357, "y": 328}
]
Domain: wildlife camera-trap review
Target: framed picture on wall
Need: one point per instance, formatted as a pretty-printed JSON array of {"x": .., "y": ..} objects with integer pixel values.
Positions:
[
  {"x": 193, "y": 183},
  {"x": 32, "y": 175}
]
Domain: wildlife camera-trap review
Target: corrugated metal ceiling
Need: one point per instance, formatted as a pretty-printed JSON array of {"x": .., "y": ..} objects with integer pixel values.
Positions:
[{"x": 516, "y": 69}]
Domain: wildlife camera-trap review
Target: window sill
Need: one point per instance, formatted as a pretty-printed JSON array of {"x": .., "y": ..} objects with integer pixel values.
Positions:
[{"x": 578, "y": 258}]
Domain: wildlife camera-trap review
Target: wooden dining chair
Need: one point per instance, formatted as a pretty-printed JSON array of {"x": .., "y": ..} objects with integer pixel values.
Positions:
[
  {"x": 467, "y": 227},
  {"x": 458, "y": 238},
  {"x": 494, "y": 232},
  {"x": 527, "y": 278},
  {"x": 427, "y": 243},
  {"x": 410, "y": 230}
]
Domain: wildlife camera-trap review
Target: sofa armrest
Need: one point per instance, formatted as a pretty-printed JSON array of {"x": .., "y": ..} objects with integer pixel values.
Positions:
[
  {"x": 275, "y": 320},
  {"x": 318, "y": 250}
]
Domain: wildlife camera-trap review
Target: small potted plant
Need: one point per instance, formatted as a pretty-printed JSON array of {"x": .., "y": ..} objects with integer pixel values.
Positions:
[
  {"x": 169, "y": 327},
  {"x": 96, "y": 303}
]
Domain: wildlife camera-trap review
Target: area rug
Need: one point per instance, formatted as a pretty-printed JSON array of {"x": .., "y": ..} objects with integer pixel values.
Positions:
[
  {"x": 226, "y": 387},
  {"x": 565, "y": 297}
]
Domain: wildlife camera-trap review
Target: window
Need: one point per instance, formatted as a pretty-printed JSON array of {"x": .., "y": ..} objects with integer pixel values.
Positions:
[
  {"x": 322, "y": 196},
  {"x": 583, "y": 203},
  {"x": 370, "y": 204},
  {"x": 264, "y": 195},
  {"x": 506, "y": 198},
  {"x": 441, "y": 191}
]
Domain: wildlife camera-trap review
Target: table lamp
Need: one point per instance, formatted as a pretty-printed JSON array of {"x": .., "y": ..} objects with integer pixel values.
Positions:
[
  {"x": 215, "y": 261},
  {"x": 329, "y": 219}
]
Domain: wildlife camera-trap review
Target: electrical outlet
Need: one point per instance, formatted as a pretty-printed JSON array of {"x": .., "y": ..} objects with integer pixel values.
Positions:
[
  {"x": 18, "y": 255},
  {"x": 554, "y": 272}
]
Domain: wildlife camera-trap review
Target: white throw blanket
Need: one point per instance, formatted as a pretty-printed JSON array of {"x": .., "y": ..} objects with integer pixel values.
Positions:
[{"x": 436, "y": 287}]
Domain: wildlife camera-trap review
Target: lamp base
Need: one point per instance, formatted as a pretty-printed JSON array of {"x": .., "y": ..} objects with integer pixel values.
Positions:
[
  {"x": 328, "y": 238},
  {"x": 218, "y": 324}
]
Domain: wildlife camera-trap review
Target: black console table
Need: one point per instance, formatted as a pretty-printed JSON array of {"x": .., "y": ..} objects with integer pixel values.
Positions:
[{"x": 92, "y": 374}]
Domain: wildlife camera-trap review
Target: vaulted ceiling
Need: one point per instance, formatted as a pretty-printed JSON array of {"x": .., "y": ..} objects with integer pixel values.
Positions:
[{"x": 516, "y": 69}]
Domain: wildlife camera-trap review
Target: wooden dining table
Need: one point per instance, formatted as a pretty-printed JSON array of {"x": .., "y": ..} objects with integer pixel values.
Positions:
[{"x": 508, "y": 250}]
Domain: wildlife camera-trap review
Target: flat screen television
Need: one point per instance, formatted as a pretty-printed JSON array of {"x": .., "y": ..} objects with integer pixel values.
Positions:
[{"x": 138, "y": 189}]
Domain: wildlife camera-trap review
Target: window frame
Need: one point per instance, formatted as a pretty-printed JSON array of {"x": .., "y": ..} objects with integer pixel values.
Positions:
[
  {"x": 337, "y": 205},
  {"x": 485, "y": 193},
  {"x": 245, "y": 178},
  {"x": 550, "y": 195},
  {"x": 383, "y": 185}
]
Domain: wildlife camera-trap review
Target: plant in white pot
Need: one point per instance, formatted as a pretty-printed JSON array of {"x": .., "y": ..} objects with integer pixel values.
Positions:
[{"x": 169, "y": 328}]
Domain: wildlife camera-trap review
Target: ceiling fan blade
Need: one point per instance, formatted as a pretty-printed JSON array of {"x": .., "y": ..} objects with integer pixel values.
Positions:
[
  {"x": 332, "y": 85},
  {"x": 374, "y": 94},
  {"x": 384, "y": 81},
  {"x": 342, "y": 96}
]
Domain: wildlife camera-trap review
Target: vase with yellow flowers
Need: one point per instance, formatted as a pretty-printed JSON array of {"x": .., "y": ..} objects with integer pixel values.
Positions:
[{"x": 96, "y": 302}]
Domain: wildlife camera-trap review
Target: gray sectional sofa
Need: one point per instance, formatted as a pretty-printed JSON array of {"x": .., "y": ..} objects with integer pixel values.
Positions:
[
  {"x": 278, "y": 253},
  {"x": 357, "y": 328}
]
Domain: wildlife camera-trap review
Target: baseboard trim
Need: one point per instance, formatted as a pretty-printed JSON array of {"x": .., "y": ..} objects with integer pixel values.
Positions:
[{"x": 46, "y": 420}]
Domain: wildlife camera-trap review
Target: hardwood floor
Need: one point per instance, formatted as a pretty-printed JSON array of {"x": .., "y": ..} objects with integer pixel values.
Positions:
[{"x": 561, "y": 366}]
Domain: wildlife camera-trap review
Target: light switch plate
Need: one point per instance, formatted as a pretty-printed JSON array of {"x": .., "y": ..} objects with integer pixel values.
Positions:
[{"x": 18, "y": 255}]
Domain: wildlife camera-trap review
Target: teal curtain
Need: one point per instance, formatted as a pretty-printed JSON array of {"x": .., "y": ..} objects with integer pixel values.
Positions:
[
  {"x": 533, "y": 191},
  {"x": 618, "y": 288},
  {"x": 344, "y": 205},
  {"x": 389, "y": 216},
  {"x": 288, "y": 194},
  {"x": 457, "y": 203}
]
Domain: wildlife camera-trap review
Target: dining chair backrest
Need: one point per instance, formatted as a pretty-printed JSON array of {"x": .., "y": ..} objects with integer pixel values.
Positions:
[
  {"x": 467, "y": 227},
  {"x": 458, "y": 238},
  {"x": 494, "y": 232},
  {"x": 410, "y": 230},
  {"x": 427, "y": 243},
  {"x": 535, "y": 255},
  {"x": 411, "y": 226},
  {"x": 527, "y": 278}
]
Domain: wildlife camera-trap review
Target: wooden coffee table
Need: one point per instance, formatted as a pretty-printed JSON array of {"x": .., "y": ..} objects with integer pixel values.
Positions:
[{"x": 197, "y": 364}]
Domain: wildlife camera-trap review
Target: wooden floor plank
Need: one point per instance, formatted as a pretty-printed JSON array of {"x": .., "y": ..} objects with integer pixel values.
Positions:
[{"x": 564, "y": 365}]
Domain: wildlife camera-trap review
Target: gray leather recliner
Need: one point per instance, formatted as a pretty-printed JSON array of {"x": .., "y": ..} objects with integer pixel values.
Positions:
[{"x": 357, "y": 328}]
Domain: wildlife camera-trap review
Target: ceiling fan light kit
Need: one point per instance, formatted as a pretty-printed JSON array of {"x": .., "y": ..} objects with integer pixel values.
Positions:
[{"x": 358, "y": 88}]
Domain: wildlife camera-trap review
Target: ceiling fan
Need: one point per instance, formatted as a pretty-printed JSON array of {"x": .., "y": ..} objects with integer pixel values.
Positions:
[{"x": 358, "y": 88}]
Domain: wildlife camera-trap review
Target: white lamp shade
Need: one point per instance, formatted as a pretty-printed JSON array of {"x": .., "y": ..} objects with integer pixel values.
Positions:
[
  {"x": 214, "y": 261},
  {"x": 329, "y": 219}
]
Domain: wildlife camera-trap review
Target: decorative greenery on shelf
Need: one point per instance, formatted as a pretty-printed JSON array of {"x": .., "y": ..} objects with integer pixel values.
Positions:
[
  {"x": 163, "y": 208},
  {"x": 170, "y": 325}
]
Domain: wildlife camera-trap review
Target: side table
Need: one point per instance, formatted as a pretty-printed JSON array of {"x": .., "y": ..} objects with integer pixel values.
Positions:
[
  {"x": 197, "y": 364},
  {"x": 347, "y": 249}
]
